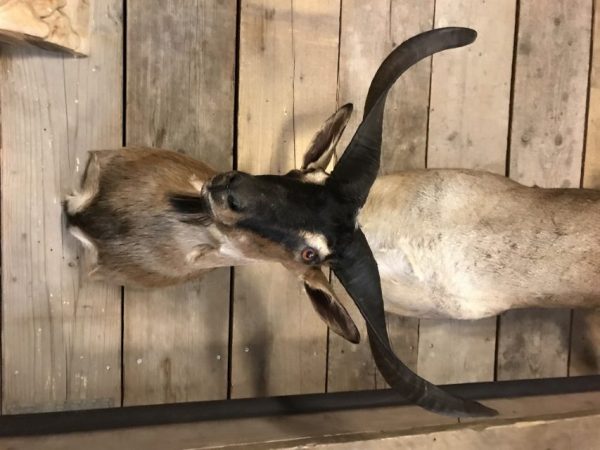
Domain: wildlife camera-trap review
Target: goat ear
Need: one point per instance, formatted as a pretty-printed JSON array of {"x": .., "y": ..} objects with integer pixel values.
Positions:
[
  {"x": 192, "y": 209},
  {"x": 321, "y": 149},
  {"x": 328, "y": 307}
]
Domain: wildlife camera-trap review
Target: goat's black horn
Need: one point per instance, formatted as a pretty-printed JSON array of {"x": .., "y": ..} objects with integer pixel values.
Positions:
[
  {"x": 357, "y": 169},
  {"x": 357, "y": 270}
]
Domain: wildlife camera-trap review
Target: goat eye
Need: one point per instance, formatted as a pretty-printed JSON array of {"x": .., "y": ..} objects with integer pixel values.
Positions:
[
  {"x": 309, "y": 254},
  {"x": 233, "y": 204}
]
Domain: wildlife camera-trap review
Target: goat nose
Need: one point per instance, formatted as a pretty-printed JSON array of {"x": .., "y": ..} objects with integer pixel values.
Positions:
[
  {"x": 223, "y": 180},
  {"x": 233, "y": 178}
]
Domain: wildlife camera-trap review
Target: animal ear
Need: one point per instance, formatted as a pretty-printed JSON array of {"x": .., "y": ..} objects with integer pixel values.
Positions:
[
  {"x": 321, "y": 149},
  {"x": 191, "y": 209},
  {"x": 328, "y": 307}
]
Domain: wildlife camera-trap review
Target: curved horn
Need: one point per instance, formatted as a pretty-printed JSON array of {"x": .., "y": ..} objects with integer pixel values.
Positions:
[
  {"x": 357, "y": 169},
  {"x": 357, "y": 271}
]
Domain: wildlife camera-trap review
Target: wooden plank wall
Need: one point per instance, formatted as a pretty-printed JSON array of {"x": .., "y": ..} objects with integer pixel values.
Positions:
[
  {"x": 164, "y": 74},
  {"x": 585, "y": 332},
  {"x": 546, "y": 149},
  {"x": 61, "y": 335},
  {"x": 180, "y": 95}
]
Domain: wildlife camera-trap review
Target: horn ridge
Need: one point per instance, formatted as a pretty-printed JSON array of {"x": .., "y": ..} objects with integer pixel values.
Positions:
[
  {"x": 357, "y": 169},
  {"x": 418, "y": 390},
  {"x": 412, "y": 51},
  {"x": 357, "y": 271}
]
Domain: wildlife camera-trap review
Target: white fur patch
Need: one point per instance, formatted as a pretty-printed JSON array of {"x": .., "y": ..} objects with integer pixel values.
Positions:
[
  {"x": 393, "y": 264},
  {"x": 316, "y": 177},
  {"x": 78, "y": 200},
  {"x": 196, "y": 183},
  {"x": 316, "y": 241},
  {"x": 228, "y": 248},
  {"x": 198, "y": 252},
  {"x": 78, "y": 234},
  {"x": 88, "y": 245}
]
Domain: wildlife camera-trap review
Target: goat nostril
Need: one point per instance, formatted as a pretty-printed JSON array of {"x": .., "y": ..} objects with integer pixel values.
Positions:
[
  {"x": 219, "y": 180},
  {"x": 234, "y": 177},
  {"x": 223, "y": 180},
  {"x": 233, "y": 202}
]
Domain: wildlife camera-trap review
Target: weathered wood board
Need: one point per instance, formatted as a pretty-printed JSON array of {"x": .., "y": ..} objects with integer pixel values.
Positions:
[
  {"x": 180, "y": 95},
  {"x": 548, "y": 120},
  {"x": 585, "y": 334},
  {"x": 54, "y": 24},
  {"x": 61, "y": 335},
  {"x": 370, "y": 30},
  {"x": 468, "y": 128},
  {"x": 287, "y": 88}
]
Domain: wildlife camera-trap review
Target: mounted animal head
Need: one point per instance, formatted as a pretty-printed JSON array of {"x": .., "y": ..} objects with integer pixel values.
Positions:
[{"x": 306, "y": 219}]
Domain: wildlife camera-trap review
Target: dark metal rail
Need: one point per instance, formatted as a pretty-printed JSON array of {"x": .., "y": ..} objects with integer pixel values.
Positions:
[{"x": 135, "y": 416}]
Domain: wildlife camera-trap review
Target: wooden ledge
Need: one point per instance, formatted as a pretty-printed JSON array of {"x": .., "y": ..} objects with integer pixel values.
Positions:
[{"x": 551, "y": 421}]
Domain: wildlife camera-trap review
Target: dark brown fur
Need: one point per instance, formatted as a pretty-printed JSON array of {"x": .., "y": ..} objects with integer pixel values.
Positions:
[{"x": 126, "y": 215}]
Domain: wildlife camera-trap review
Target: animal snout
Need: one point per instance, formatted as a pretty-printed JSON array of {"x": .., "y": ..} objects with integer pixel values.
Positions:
[
  {"x": 223, "y": 180},
  {"x": 226, "y": 189}
]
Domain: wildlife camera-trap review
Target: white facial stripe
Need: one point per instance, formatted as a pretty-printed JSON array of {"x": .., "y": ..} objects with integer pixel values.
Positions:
[
  {"x": 196, "y": 183},
  {"x": 316, "y": 177},
  {"x": 316, "y": 241}
]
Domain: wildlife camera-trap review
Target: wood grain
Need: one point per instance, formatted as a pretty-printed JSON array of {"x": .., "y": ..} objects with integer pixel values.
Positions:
[
  {"x": 287, "y": 88},
  {"x": 468, "y": 128},
  {"x": 546, "y": 150},
  {"x": 60, "y": 334},
  {"x": 585, "y": 335},
  {"x": 180, "y": 95},
  {"x": 585, "y": 343},
  {"x": 452, "y": 351},
  {"x": 370, "y": 30},
  {"x": 54, "y": 24}
]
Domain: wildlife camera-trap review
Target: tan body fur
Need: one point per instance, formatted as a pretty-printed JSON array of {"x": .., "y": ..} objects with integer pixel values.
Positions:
[{"x": 469, "y": 244}]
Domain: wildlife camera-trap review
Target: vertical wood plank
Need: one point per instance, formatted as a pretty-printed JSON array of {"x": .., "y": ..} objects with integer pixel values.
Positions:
[
  {"x": 370, "y": 30},
  {"x": 287, "y": 87},
  {"x": 585, "y": 341},
  {"x": 468, "y": 128},
  {"x": 546, "y": 150},
  {"x": 180, "y": 95},
  {"x": 61, "y": 335}
]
